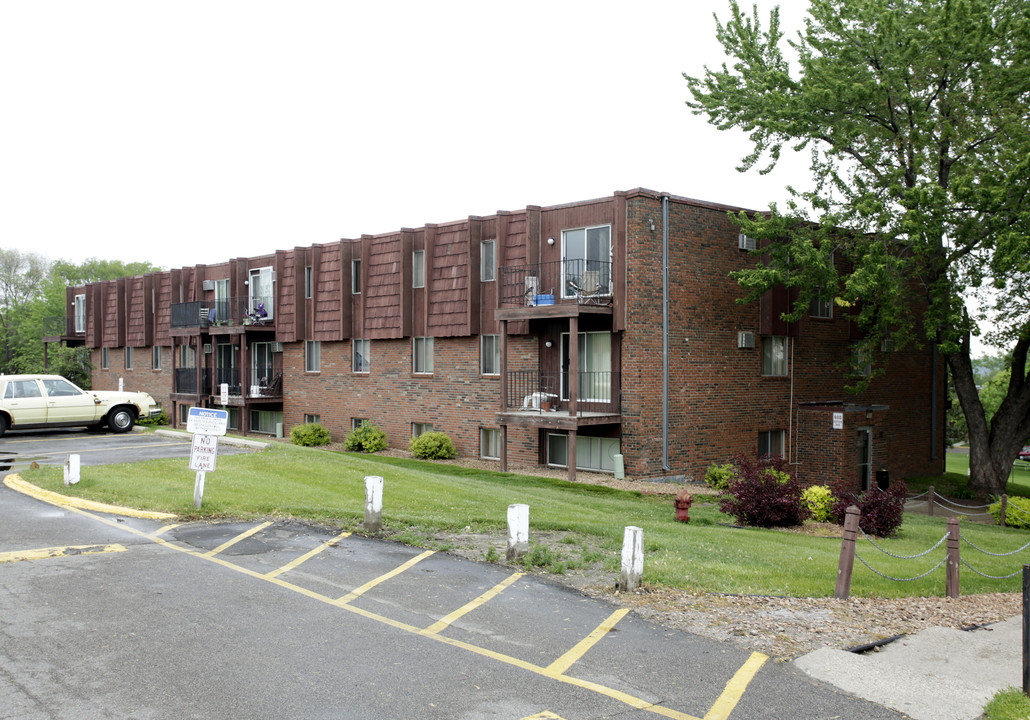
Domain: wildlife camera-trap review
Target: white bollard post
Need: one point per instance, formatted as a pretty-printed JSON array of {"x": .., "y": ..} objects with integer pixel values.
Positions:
[
  {"x": 620, "y": 466},
  {"x": 198, "y": 489},
  {"x": 518, "y": 531},
  {"x": 71, "y": 470},
  {"x": 373, "y": 503},
  {"x": 632, "y": 558}
]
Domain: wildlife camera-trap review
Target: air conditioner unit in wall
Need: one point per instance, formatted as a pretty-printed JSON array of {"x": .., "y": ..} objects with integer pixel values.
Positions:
[
  {"x": 208, "y": 285},
  {"x": 745, "y": 339},
  {"x": 207, "y": 348},
  {"x": 746, "y": 243},
  {"x": 277, "y": 347}
]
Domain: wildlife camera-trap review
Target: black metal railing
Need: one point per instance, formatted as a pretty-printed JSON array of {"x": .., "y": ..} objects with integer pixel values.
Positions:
[
  {"x": 580, "y": 281},
  {"x": 216, "y": 313},
  {"x": 228, "y": 376},
  {"x": 185, "y": 382},
  {"x": 189, "y": 315},
  {"x": 532, "y": 391}
]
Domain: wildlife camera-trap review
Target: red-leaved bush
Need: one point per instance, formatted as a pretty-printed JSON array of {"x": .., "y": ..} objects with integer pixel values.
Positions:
[
  {"x": 882, "y": 510},
  {"x": 764, "y": 494}
]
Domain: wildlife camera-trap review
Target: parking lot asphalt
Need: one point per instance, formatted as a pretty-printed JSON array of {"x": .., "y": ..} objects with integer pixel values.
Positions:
[{"x": 117, "y": 616}]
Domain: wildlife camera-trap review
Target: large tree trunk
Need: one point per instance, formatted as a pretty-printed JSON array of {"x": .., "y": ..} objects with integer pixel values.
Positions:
[{"x": 993, "y": 447}]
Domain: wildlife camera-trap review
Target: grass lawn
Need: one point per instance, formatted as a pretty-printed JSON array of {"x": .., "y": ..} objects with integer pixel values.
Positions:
[{"x": 424, "y": 500}]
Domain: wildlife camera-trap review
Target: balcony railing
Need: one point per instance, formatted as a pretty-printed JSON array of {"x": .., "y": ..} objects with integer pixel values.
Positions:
[
  {"x": 532, "y": 391},
  {"x": 185, "y": 382},
  {"x": 60, "y": 326},
  {"x": 587, "y": 282},
  {"x": 231, "y": 311}
]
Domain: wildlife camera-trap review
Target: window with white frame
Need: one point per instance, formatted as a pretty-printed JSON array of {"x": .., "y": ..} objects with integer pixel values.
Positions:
[
  {"x": 770, "y": 442},
  {"x": 418, "y": 268},
  {"x": 361, "y": 352},
  {"x": 312, "y": 356},
  {"x": 820, "y": 309},
  {"x": 128, "y": 358},
  {"x": 356, "y": 423},
  {"x": 774, "y": 355},
  {"x": 490, "y": 354},
  {"x": 184, "y": 413},
  {"x": 592, "y": 453},
  {"x": 80, "y": 313},
  {"x": 223, "y": 301},
  {"x": 308, "y": 287},
  {"x": 261, "y": 293},
  {"x": 105, "y": 359},
  {"x": 265, "y": 421},
  {"x": 586, "y": 261},
  {"x": 594, "y": 383},
  {"x": 187, "y": 356},
  {"x": 156, "y": 362},
  {"x": 488, "y": 260},
  {"x": 355, "y": 277},
  {"x": 490, "y": 443},
  {"x": 312, "y": 419},
  {"x": 420, "y": 428},
  {"x": 422, "y": 355}
]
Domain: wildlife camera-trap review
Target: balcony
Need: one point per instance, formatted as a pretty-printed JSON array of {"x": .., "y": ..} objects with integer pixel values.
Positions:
[
  {"x": 226, "y": 313},
  {"x": 535, "y": 399},
  {"x": 61, "y": 326},
  {"x": 576, "y": 282},
  {"x": 184, "y": 382}
]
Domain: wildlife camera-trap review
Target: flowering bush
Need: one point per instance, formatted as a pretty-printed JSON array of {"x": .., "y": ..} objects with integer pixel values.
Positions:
[
  {"x": 882, "y": 510},
  {"x": 764, "y": 494},
  {"x": 819, "y": 499},
  {"x": 432, "y": 446}
]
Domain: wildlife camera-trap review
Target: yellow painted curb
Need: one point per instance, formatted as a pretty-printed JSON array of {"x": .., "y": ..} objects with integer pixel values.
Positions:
[{"x": 26, "y": 488}]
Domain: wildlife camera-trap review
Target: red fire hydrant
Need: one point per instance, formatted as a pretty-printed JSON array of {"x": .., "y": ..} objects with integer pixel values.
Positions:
[{"x": 683, "y": 502}]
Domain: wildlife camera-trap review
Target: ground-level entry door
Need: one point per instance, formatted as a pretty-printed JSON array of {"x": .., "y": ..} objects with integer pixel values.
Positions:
[{"x": 865, "y": 456}]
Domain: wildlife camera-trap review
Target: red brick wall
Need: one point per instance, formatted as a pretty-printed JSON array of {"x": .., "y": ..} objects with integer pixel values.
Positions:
[{"x": 142, "y": 377}]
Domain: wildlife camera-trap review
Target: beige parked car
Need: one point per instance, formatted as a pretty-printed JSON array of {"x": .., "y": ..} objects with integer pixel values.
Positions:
[{"x": 44, "y": 401}]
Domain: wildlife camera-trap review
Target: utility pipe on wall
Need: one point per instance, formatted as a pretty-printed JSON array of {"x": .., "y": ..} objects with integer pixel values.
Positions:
[{"x": 665, "y": 333}]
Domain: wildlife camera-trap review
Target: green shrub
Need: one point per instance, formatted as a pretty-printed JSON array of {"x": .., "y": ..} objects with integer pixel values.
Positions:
[
  {"x": 367, "y": 437},
  {"x": 819, "y": 499},
  {"x": 310, "y": 435},
  {"x": 161, "y": 419},
  {"x": 720, "y": 477},
  {"x": 1019, "y": 517},
  {"x": 433, "y": 446}
]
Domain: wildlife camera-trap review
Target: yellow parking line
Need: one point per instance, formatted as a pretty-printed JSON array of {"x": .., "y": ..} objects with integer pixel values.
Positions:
[
  {"x": 382, "y": 578},
  {"x": 735, "y": 688},
  {"x": 44, "y": 553},
  {"x": 448, "y": 620},
  {"x": 559, "y": 666},
  {"x": 162, "y": 530},
  {"x": 16, "y": 483},
  {"x": 242, "y": 536},
  {"x": 307, "y": 556}
]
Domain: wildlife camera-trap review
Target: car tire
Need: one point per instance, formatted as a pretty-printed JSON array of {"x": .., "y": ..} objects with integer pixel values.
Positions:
[
  {"x": 3, "y": 425},
  {"x": 121, "y": 419}
]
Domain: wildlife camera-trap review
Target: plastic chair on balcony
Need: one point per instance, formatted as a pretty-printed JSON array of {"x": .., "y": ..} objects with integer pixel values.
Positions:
[{"x": 589, "y": 289}]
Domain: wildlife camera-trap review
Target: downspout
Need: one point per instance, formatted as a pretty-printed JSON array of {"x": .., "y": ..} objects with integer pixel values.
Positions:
[{"x": 665, "y": 333}]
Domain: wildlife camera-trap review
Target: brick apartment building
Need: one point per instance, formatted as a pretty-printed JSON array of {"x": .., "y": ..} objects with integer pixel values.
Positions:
[{"x": 468, "y": 327}]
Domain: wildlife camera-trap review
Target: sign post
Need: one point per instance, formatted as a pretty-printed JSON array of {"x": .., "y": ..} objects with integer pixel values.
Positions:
[{"x": 206, "y": 424}]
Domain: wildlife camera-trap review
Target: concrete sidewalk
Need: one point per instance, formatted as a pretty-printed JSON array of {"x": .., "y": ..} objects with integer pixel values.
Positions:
[{"x": 936, "y": 674}]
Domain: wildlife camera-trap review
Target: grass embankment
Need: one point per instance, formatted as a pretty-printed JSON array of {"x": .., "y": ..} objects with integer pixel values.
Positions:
[{"x": 424, "y": 499}]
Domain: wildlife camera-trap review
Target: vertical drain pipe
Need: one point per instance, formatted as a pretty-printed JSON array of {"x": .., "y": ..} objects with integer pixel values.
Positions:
[{"x": 665, "y": 333}]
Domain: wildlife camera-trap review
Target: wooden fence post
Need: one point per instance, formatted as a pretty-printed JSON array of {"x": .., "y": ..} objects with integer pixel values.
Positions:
[
  {"x": 847, "y": 553},
  {"x": 951, "y": 581},
  {"x": 930, "y": 500}
]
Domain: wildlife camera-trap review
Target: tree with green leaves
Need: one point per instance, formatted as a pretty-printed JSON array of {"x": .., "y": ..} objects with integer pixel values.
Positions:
[{"x": 915, "y": 115}]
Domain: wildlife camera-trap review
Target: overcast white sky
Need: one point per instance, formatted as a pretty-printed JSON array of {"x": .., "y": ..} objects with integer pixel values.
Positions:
[{"x": 194, "y": 132}]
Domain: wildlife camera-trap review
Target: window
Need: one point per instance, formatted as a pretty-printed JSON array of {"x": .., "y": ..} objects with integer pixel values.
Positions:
[
  {"x": 105, "y": 359},
  {"x": 488, "y": 261},
  {"x": 595, "y": 367},
  {"x": 865, "y": 456},
  {"x": 22, "y": 389},
  {"x": 262, "y": 365},
  {"x": 157, "y": 357},
  {"x": 234, "y": 418},
  {"x": 128, "y": 358},
  {"x": 587, "y": 261},
  {"x": 770, "y": 442},
  {"x": 312, "y": 356},
  {"x": 861, "y": 365},
  {"x": 223, "y": 304},
  {"x": 355, "y": 277},
  {"x": 184, "y": 413},
  {"x": 774, "y": 355},
  {"x": 265, "y": 421},
  {"x": 362, "y": 358},
  {"x": 418, "y": 268},
  {"x": 422, "y": 355},
  {"x": 187, "y": 356},
  {"x": 80, "y": 313},
  {"x": 490, "y": 443},
  {"x": 490, "y": 354},
  {"x": 821, "y": 309},
  {"x": 312, "y": 419},
  {"x": 592, "y": 453},
  {"x": 308, "y": 290},
  {"x": 356, "y": 423},
  {"x": 420, "y": 428},
  {"x": 262, "y": 292}
]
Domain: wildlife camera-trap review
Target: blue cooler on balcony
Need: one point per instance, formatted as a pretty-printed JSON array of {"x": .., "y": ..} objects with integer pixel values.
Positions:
[{"x": 543, "y": 300}]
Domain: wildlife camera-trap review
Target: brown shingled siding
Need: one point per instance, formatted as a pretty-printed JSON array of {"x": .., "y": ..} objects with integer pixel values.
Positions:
[
  {"x": 328, "y": 294},
  {"x": 447, "y": 282},
  {"x": 136, "y": 321},
  {"x": 163, "y": 308},
  {"x": 383, "y": 290}
]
